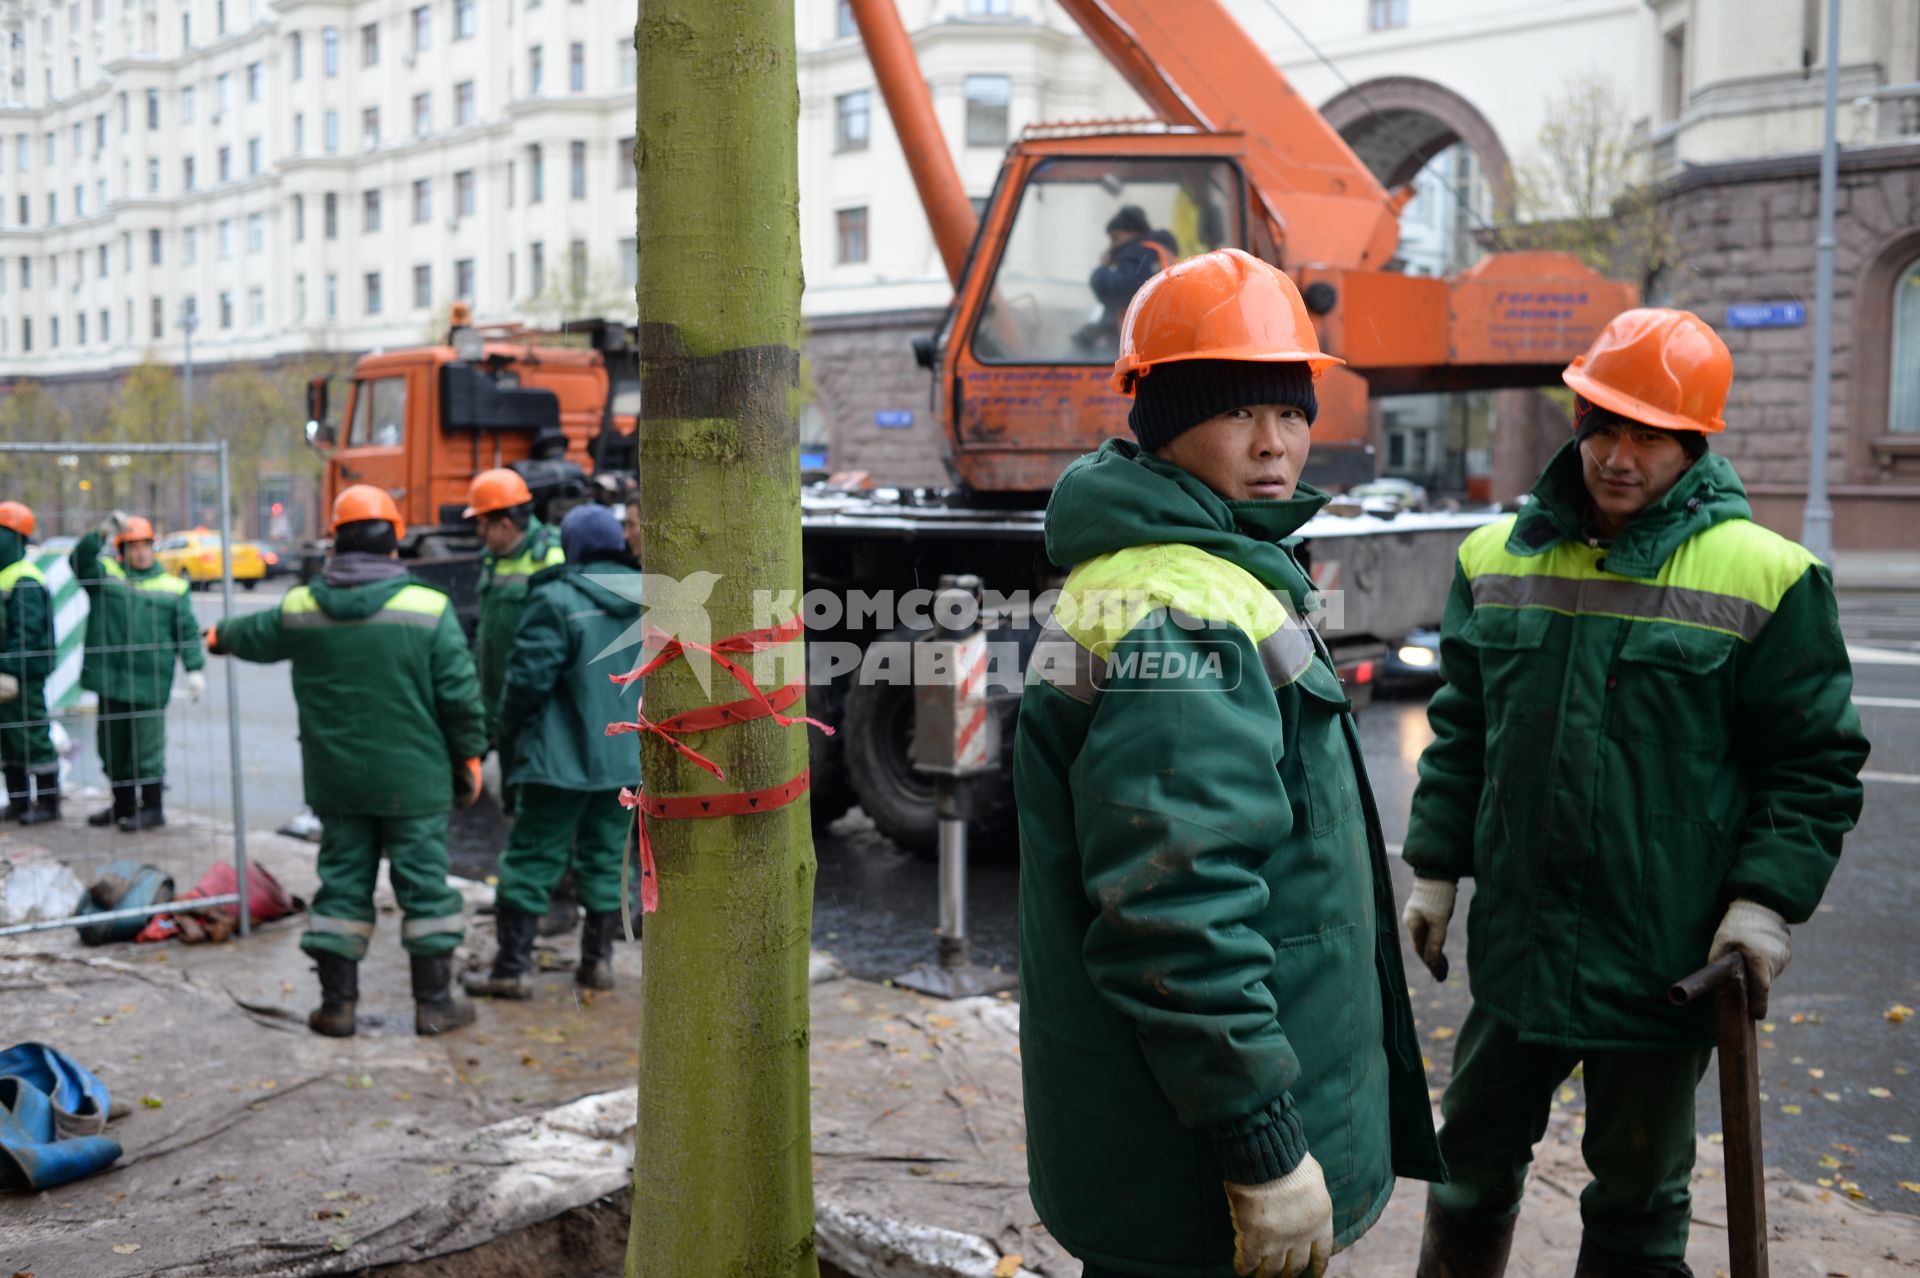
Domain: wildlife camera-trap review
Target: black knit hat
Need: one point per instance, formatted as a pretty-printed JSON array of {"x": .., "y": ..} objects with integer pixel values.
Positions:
[
  {"x": 1170, "y": 398},
  {"x": 1589, "y": 417},
  {"x": 1131, "y": 218}
]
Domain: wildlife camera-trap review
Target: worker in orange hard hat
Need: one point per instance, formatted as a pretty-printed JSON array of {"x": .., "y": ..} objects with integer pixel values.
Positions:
[
  {"x": 515, "y": 545},
  {"x": 140, "y": 626},
  {"x": 27, "y": 657},
  {"x": 1221, "y": 1069},
  {"x": 1646, "y": 756},
  {"x": 391, "y": 734}
]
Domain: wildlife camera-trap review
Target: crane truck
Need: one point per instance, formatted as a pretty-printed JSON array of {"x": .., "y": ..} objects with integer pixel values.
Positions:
[{"x": 1019, "y": 377}]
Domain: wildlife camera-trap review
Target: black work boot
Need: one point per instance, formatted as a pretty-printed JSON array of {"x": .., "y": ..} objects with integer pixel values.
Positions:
[
  {"x": 18, "y": 798},
  {"x": 46, "y": 801},
  {"x": 150, "y": 813},
  {"x": 512, "y": 974},
  {"x": 436, "y": 1008},
  {"x": 597, "y": 936},
  {"x": 1594, "y": 1262},
  {"x": 125, "y": 803},
  {"x": 1454, "y": 1248},
  {"x": 339, "y": 991}
]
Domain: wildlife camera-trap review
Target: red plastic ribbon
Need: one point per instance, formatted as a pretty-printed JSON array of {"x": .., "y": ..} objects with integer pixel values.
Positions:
[{"x": 756, "y": 705}]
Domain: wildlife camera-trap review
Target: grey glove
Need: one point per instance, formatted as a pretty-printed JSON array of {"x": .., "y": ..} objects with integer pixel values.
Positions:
[
  {"x": 1429, "y": 910},
  {"x": 114, "y": 523},
  {"x": 1760, "y": 935}
]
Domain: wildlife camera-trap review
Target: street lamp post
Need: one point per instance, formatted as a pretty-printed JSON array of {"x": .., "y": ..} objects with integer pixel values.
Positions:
[
  {"x": 189, "y": 320},
  {"x": 1816, "y": 524}
]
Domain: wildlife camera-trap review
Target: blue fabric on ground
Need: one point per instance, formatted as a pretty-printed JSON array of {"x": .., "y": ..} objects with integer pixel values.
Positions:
[
  {"x": 32, "y": 1156},
  {"x": 79, "y": 1099}
]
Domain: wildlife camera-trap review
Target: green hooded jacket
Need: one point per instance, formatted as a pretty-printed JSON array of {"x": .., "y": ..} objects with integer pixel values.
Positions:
[
  {"x": 504, "y": 580},
  {"x": 139, "y": 623},
  {"x": 384, "y": 682},
  {"x": 1210, "y": 973},
  {"x": 1630, "y": 737},
  {"x": 579, "y": 628},
  {"x": 26, "y": 630}
]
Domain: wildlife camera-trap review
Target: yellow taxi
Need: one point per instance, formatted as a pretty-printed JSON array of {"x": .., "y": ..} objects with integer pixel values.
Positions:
[{"x": 195, "y": 557}]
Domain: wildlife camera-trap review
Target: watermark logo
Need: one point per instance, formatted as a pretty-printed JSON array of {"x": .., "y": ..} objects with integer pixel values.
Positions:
[{"x": 671, "y": 608}]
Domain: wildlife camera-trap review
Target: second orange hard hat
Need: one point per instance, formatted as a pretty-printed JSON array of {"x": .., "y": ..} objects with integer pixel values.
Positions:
[
  {"x": 137, "y": 529},
  {"x": 363, "y": 502},
  {"x": 18, "y": 516},
  {"x": 494, "y": 490},
  {"x": 1226, "y": 304},
  {"x": 1658, "y": 367}
]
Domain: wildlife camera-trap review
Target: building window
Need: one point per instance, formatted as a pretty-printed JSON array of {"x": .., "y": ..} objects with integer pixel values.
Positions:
[
  {"x": 186, "y": 172},
  {"x": 189, "y": 245},
  {"x": 373, "y": 292},
  {"x": 157, "y": 318},
  {"x": 1673, "y": 73},
  {"x": 422, "y": 287},
  {"x": 226, "y": 308},
  {"x": 106, "y": 336},
  {"x": 577, "y": 266},
  {"x": 330, "y": 132},
  {"x": 534, "y": 70},
  {"x": 225, "y": 237},
  {"x": 186, "y": 105},
  {"x": 99, "y": 133},
  {"x": 126, "y": 113},
  {"x": 851, "y": 115},
  {"x": 422, "y": 200},
  {"x": 103, "y": 267},
  {"x": 329, "y": 51},
  {"x": 80, "y": 334},
  {"x": 463, "y": 279},
  {"x": 843, "y": 23},
  {"x": 629, "y": 63},
  {"x": 422, "y": 29},
  {"x": 222, "y": 93},
  {"x": 537, "y": 175},
  {"x": 219, "y": 17},
  {"x": 153, "y": 175},
  {"x": 370, "y": 45},
  {"x": 989, "y": 8},
  {"x": 463, "y": 193},
  {"x": 370, "y": 211},
  {"x": 577, "y": 170},
  {"x": 629, "y": 252},
  {"x": 223, "y": 163},
  {"x": 330, "y": 217},
  {"x": 253, "y": 81},
  {"x": 537, "y": 265},
  {"x": 256, "y": 305},
  {"x": 422, "y": 114},
  {"x": 463, "y": 19},
  {"x": 463, "y": 103},
  {"x": 53, "y": 331},
  {"x": 53, "y": 208},
  {"x": 850, "y": 235},
  {"x": 370, "y": 128},
  {"x": 1903, "y": 397},
  {"x": 26, "y": 344},
  {"x": 256, "y": 232},
  {"x": 299, "y": 133},
  {"x": 333, "y": 295},
  {"x": 253, "y": 157},
  {"x": 300, "y": 297},
  {"x": 624, "y": 164},
  {"x": 296, "y": 61},
  {"x": 299, "y": 218},
  {"x": 576, "y": 68},
  {"x": 987, "y": 100},
  {"x": 1384, "y": 14},
  {"x": 153, "y": 109},
  {"x": 153, "y": 246}
]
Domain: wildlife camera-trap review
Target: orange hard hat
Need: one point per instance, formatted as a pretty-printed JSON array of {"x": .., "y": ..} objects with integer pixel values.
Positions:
[
  {"x": 17, "y": 516},
  {"x": 1220, "y": 305},
  {"x": 493, "y": 490},
  {"x": 137, "y": 529},
  {"x": 364, "y": 501},
  {"x": 1658, "y": 367}
]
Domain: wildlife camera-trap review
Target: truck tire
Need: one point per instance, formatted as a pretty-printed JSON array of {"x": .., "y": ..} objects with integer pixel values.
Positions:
[{"x": 832, "y": 793}]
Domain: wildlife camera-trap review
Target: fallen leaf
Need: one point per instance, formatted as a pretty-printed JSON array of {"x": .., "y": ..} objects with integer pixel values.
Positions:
[
  {"x": 1789, "y": 1109},
  {"x": 947, "y": 1022},
  {"x": 1798, "y": 1018},
  {"x": 439, "y": 1171},
  {"x": 340, "y": 1242},
  {"x": 1844, "y": 1148},
  {"x": 1008, "y": 1266},
  {"x": 1898, "y": 1139},
  {"x": 1766, "y": 1027},
  {"x": 1816, "y": 1073},
  {"x": 1442, "y": 1032},
  {"x": 1854, "y": 1192},
  {"x": 1911, "y": 1186},
  {"x": 1715, "y": 1139},
  {"x": 108, "y": 1020},
  {"x": 403, "y": 1096},
  {"x": 1566, "y": 1095},
  {"x": 1828, "y": 1160},
  {"x": 125, "y": 1249},
  {"x": 1898, "y": 1013},
  {"x": 1825, "y": 1182},
  {"x": 152, "y": 1102},
  {"x": 1879, "y": 1093},
  {"x": 333, "y": 1213},
  {"x": 268, "y": 1084},
  {"x": 128, "y": 1009},
  {"x": 1831, "y": 1096},
  {"x": 335, "y": 1195}
]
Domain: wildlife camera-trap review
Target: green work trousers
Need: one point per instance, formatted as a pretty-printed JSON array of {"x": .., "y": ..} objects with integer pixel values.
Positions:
[
  {"x": 1638, "y": 1145},
  {"x": 133, "y": 742},
  {"x": 26, "y": 734},
  {"x": 351, "y": 845},
  {"x": 554, "y": 828}
]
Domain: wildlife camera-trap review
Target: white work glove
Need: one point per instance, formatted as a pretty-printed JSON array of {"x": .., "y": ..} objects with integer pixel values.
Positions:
[
  {"x": 1284, "y": 1227},
  {"x": 9, "y": 688},
  {"x": 1761, "y": 937},
  {"x": 114, "y": 524},
  {"x": 1429, "y": 908},
  {"x": 196, "y": 685}
]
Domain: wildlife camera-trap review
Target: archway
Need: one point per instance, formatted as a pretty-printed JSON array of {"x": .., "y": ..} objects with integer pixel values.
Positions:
[{"x": 1396, "y": 124}]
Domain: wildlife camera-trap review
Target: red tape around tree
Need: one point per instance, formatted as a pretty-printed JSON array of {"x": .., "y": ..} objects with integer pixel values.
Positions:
[{"x": 756, "y": 705}]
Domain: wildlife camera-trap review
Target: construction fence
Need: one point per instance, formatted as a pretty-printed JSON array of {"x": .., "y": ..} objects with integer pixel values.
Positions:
[{"x": 134, "y": 739}]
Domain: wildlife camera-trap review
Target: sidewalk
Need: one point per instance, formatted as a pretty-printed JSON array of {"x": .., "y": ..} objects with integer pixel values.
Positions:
[{"x": 504, "y": 1149}]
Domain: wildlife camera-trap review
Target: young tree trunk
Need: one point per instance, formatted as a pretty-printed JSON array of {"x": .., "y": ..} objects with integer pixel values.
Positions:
[{"x": 722, "y": 1161}]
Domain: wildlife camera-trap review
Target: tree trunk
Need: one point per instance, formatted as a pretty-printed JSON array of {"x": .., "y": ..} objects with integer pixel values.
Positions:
[{"x": 722, "y": 1162}]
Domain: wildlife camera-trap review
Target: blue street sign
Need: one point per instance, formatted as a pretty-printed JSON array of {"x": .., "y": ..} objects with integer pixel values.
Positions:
[
  {"x": 1766, "y": 315},
  {"x": 892, "y": 418}
]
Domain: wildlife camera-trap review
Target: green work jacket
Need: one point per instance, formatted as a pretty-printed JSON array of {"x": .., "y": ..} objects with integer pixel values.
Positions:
[
  {"x": 504, "y": 580},
  {"x": 580, "y": 626},
  {"x": 1630, "y": 737},
  {"x": 26, "y": 632},
  {"x": 139, "y": 624},
  {"x": 1210, "y": 973},
  {"x": 385, "y": 688}
]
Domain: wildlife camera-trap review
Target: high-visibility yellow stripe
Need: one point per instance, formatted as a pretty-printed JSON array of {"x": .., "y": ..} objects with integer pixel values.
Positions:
[
  {"x": 21, "y": 569},
  {"x": 299, "y": 599},
  {"x": 421, "y": 599},
  {"x": 160, "y": 583},
  {"x": 409, "y": 606}
]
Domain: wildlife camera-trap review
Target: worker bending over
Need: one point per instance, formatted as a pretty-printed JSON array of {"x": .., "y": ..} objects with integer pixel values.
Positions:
[
  {"x": 1645, "y": 756},
  {"x": 391, "y": 730},
  {"x": 27, "y": 657}
]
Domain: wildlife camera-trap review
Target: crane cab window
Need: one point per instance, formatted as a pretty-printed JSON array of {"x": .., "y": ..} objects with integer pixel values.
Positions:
[
  {"x": 379, "y": 413},
  {"x": 1087, "y": 234}
]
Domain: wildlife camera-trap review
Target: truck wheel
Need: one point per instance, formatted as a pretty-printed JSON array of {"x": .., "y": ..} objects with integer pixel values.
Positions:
[
  {"x": 878, "y": 732},
  {"x": 832, "y": 794}
]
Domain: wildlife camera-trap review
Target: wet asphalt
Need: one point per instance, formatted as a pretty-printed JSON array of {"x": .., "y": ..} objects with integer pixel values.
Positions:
[{"x": 1839, "y": 1070}]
